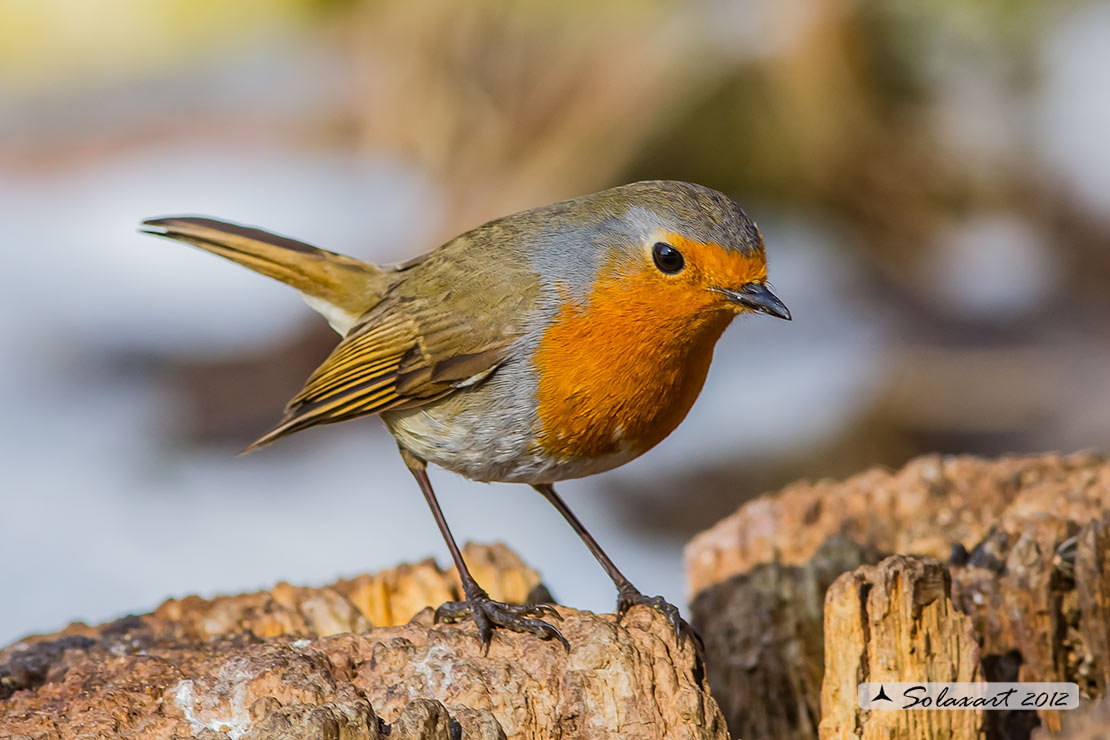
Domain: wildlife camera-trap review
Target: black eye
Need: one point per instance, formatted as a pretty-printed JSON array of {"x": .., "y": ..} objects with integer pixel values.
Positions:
[{"x": 667, "y": 258}]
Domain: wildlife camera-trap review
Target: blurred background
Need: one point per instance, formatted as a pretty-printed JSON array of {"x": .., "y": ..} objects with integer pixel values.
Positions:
[{"x": 932, "y": 179}]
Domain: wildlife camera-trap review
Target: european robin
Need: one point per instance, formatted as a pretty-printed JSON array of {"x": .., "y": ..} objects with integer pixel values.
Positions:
[{"x": 555, "y": 343}]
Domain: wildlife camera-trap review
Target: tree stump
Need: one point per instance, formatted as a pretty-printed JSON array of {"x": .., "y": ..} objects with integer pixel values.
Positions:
[
  {"x": 1000, "y": 571},
  {"x": 763, "y": 641},
  {"x": 296, "y": 663},
  {"x": 893, "y": 622},
  {"x": 1028, "y": 553}
]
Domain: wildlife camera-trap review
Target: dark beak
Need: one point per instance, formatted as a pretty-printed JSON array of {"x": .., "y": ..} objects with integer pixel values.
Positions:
[{"x": 756, "y": 297}]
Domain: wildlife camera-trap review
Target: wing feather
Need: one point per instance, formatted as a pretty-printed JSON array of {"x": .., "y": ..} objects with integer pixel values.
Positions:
[
  {"x": 447, "y": 323},
  {"x": 392, "y": 358}
]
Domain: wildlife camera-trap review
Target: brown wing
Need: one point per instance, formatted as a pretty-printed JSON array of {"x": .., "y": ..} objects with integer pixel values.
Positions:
[{"x": 399, "y": 354}]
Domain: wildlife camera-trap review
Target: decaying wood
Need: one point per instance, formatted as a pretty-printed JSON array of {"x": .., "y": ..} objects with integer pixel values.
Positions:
[
  {"x": 1028, "y": 550},
  {"x": 895, "y": 621},
  {"x": 1002, "y": 573},
  {"x": 383, "y": 599},
  {"x": 282, "y": 664},
  {"x": 763, "y": 639},
  {"x": 924, "y": 508},
  {"x": 1039, "y": 602}
]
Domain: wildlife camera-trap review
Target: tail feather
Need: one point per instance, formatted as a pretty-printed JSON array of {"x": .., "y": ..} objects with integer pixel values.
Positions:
[{"x": 341, "y": 288}]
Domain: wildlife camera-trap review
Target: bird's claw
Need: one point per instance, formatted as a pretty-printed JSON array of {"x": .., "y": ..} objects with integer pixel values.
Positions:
[
  {"x": 489, "y": 614},
  {"x": 630, "y": 597}
]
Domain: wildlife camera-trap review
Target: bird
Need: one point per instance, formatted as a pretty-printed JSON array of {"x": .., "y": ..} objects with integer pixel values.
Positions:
[{"x": 551, "y": 344}]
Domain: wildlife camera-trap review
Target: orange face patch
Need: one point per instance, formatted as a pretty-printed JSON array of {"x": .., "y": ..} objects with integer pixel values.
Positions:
[
  {"x": 710, "y": 265},
  {"x": 618, "y": 374}
]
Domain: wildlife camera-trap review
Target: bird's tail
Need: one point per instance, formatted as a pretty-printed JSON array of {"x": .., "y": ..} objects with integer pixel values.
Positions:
[{"x": 339, "y": 287}]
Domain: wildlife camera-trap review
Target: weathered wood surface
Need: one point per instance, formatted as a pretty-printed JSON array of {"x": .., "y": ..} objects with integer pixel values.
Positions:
[
  {"x": 295, "y": 663},
  {"x": 763, "y": 638},
  {"x": 1027, "y": 551},
  {"x": 896, "y": 621},
  {"x": 1002, "y": 572},
  {"x": 924, "y": 508}
]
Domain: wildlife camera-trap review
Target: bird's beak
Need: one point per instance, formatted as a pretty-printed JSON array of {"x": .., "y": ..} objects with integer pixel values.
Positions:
[{"x": 756, "y": 297}]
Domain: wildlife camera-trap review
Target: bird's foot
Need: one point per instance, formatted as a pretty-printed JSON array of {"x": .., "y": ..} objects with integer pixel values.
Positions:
[
  {"x": 628, "y": 597},
  {"x": 489, "y": 614}
]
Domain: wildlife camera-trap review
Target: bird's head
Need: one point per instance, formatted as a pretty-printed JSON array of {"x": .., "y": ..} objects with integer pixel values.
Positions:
[
  {"x": 682, "y": 245},
  {"x": 639, "y": 283}
]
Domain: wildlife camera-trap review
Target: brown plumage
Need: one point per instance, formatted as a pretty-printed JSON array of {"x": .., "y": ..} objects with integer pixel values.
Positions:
[
  {"x": 399, "y": 349},
  {"x": 551, "y": 344}
]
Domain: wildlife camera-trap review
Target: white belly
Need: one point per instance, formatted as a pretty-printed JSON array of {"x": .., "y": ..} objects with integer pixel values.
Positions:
[{"x": 487, "y": 433}]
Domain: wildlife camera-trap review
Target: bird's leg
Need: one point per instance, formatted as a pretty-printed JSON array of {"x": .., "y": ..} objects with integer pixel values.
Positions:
[
  {"x": 485, "y": 612},
  {"x": 628, "y": 595}
]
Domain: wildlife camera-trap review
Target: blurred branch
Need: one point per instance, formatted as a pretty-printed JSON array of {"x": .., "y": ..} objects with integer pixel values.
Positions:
[{"x": 510, "y": 105}]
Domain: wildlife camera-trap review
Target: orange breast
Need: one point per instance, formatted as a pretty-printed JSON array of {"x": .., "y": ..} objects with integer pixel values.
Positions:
[{"x": 619, "y": 373}]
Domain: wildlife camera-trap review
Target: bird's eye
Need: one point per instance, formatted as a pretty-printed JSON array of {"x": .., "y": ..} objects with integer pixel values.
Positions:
[{"x": 667, "y": 258}]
